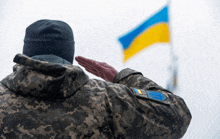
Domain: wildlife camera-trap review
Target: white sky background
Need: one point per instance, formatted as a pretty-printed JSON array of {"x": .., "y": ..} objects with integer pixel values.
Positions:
[{"x": 98, "y": 24}]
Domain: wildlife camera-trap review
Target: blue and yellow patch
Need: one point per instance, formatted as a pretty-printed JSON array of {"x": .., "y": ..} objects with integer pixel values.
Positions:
[
  {"x": 138, "y": 91},
  {"x": 153, "y": 95}
]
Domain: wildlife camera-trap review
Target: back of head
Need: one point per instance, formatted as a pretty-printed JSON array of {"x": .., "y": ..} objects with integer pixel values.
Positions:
[{"x": 49, "y": 37}]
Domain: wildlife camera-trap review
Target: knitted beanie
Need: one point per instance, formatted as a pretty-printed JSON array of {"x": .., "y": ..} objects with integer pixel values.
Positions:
[{"x": 45, "y": 37}]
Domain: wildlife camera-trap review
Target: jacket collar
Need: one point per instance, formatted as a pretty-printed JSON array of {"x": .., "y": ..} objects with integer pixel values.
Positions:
[{"x": 44, "y": 80}]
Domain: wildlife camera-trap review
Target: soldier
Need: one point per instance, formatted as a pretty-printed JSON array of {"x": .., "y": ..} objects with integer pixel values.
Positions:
[{"x": 48, "y": 97}]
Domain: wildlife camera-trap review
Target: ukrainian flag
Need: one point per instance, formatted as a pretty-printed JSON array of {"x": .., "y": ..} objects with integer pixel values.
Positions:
[{"x": 153, "y": 30}]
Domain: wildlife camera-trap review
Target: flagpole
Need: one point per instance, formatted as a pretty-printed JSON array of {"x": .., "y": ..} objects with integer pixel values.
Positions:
[
  {"x": 173, "y": 57},
  {"x": 170, "y": 68},
  {"x": 171, "y": 43}
]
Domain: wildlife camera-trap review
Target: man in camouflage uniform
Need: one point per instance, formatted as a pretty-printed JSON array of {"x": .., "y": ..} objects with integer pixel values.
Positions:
[{"x": 48, "y": 97}]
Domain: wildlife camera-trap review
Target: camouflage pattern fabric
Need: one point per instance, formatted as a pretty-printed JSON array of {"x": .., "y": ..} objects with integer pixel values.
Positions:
[{"x": 46, "y": 100}]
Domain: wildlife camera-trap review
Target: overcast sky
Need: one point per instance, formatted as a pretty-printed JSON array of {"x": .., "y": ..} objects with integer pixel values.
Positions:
[{"x": 98, "y": 24}]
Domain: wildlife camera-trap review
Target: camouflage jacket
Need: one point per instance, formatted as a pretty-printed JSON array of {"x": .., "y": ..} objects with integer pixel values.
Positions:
[{"x": 47, "y": 100}]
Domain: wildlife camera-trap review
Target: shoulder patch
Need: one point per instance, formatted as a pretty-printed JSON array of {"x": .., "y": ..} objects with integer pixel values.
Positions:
[
  {"x": 156, "y": 95},
  {"x": 151, "y": 95},
  {"x": 137, "y": 91}
]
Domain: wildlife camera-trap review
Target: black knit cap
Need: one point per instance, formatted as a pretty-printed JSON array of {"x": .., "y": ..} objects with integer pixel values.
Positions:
[{"x": 45, "y": 37}]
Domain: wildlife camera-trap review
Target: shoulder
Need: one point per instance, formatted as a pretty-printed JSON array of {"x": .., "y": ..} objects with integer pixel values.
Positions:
[
  {"x": 95, "y": 83},
  {"x": 4, "y": 89},
  {"x": 97, "y": 86}
]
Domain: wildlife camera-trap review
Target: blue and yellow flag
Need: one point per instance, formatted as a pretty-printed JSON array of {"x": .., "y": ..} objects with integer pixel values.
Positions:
[{"x": 153, "y": 30}]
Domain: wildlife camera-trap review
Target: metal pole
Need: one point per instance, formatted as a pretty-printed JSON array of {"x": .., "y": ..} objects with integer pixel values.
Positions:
[{"x": 173, "y": 56}]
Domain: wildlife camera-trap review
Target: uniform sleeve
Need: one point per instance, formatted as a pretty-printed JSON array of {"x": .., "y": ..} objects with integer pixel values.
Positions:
[{"x": 143, "y": 109}]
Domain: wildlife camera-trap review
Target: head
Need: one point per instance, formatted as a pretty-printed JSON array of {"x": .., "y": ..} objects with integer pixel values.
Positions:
[{"x": 49, "y": 38}]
